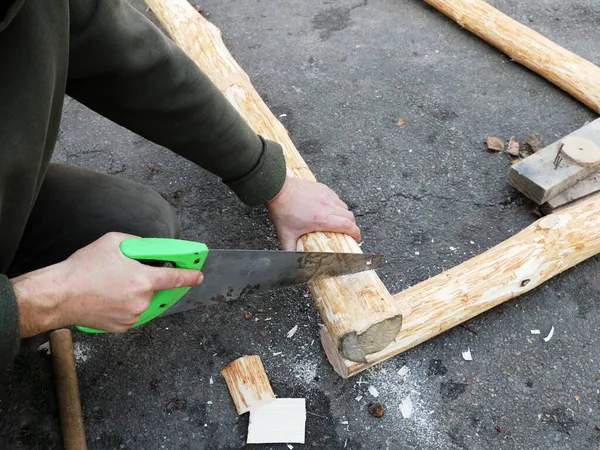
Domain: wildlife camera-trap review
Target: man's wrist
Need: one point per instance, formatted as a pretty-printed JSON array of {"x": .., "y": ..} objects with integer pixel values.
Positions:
[{"x": 40, "y": 297}]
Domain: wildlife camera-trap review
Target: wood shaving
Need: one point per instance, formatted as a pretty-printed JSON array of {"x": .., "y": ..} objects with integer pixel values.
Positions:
[
  {"x": 547, "y": 338},
  {"x": 210, "y": 381},
  {"x": 494, "y": 144},
  {"x": 535, "y": 331},
  {"x": 400, "y": 122},
  {"x": 45, "y": 347},
  {"x": 467, "y": 355},
  {"x": 373, "y": 391},
  {"x": 513, "y": 147},
  {"x": 403, "y": 371},
  {"x": 359, "y": 398},
  {"x": 292, "y": 332},
  {"x": 406, "y": 408}
]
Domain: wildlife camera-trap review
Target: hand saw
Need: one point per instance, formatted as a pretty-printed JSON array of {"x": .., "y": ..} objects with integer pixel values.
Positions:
[{"x": 233, "y": 274}]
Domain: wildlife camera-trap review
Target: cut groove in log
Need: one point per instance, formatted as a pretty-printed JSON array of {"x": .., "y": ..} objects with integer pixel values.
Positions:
[
  {"x": 539, "y": 252},
  {"x": 248, "y": 383},
  {"x": 351, "y": 305},
  {"x": 570, "y": 72}
]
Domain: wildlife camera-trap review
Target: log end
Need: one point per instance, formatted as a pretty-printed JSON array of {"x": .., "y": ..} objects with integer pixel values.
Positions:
[{"x": 356, "y": 347}]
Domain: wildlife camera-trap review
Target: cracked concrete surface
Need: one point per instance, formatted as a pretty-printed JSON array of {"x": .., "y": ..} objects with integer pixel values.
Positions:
[{"x": 340, "y": 74}]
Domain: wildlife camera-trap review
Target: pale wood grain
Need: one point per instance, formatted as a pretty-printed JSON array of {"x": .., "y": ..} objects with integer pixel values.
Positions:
[{"x": 248, "y": 383}]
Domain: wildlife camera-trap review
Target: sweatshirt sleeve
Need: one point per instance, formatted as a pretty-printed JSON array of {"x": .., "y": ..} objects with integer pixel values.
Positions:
[
  {"x": 9, "y": 323},
  {"x": 123, "y": 67}
]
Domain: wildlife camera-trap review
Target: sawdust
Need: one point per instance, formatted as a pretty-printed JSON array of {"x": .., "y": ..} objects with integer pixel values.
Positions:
[
  {"x": 394, "y": 389},
  {"x": 81, "y": 352},
  {"x": 305, "y": 370}
]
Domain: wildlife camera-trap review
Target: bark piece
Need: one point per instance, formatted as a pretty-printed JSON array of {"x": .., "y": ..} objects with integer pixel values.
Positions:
[
  {"x": 513, "y": 147},
  {"x": 532, "y": 143},
  {"x": 357, "y": 309},
  {"x": 248, "y": 383},
  {"x": 494, "y": 144},
  {"x": 547, "y": 247}
]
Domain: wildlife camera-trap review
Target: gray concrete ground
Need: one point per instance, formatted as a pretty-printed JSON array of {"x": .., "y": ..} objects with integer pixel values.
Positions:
[{"x": 343, "y": 72}]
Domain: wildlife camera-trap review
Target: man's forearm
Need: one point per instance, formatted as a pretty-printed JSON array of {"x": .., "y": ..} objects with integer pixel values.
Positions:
[{"x": 123, "y": 67}]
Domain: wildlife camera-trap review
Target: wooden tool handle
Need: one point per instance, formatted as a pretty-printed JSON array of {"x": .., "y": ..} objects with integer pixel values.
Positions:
[{"x": 67, "y": 390}]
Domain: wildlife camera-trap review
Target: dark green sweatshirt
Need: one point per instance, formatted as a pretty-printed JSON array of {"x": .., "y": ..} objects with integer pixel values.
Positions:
[{"x": 109, "y": 57}]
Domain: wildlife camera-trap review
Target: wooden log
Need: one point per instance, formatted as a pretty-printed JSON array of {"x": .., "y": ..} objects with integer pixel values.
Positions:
[
  {"x": 67, "y": 390},
  {"x": 570, "y": 72},
  {"x": 357, "y": 309},
  {"x": 544, "y": 249},
  {"x": 538, "y": 176},
  {"x": 248, "y": 383}
]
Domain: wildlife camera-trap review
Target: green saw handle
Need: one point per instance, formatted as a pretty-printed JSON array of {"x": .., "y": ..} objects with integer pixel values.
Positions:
[{"x": 183, "y": 254}]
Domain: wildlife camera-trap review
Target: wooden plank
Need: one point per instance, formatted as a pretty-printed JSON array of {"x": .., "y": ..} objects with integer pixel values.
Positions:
[
  {"x": 539, "y": 252},
  {"x": 537, "y": 177},
  {"x": 357, "y": 309},
  {"x": 570, "y": 72},
  {"x": 582, "y": 189}
]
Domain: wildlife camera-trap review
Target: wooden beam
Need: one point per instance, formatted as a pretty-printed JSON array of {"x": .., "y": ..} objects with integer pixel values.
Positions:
[
  {"x": 357, "y": 309},
  {"x": 541, "y": 251},
  {"x": 540, "y": 179},
  {"x": 570, "y": 72}
]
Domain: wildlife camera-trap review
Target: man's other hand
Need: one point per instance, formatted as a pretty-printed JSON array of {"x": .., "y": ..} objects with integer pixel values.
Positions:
[
  {"x": 303, "y": 207},
  {"x": 97, "y": 287}
]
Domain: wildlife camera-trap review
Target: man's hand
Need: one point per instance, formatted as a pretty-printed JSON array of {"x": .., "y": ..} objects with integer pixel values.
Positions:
[
  {"x": 96, "y": 287},
  {"x": 305, "y": 206}
]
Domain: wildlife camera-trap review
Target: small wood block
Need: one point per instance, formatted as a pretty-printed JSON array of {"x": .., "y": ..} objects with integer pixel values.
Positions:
[
  {"x": 281, "y": 421},
  {"x": 248, "y": 383},
  {"x": 539, "y": 179},
  {"x": 576, "y": 192}
]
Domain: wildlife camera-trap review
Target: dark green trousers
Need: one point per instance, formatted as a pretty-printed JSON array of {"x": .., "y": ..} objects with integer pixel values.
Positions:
[{"x": 77, "y": 206}]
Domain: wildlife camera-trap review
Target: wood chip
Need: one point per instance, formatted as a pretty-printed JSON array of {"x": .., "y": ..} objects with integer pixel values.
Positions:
[
  {"x": 292, "y": 332},
  {"x": 373, "y": 391},
  {"x": 513, "y": 147},
  {"x": 403, "y": 371},
  {"x": 400, "y": 122},
  {"x": 406, "y": 408},
  {"x": 532, "y": 143},
  {"x": 494, "y": 144},
  {"x": 467, "y": 355},
  {"x": 547, "y": 338},
  {"x": 45, "y": 347},
  {"x": 535, "y": 331}
]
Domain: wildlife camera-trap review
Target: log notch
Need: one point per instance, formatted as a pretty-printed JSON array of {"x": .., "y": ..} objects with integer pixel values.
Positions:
[
  {"x": 544, "y": 249},
  {"x": 248, "y": 383},
  {"x": 357, "y": 309},
  {"x": 570, "y": 72}
]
